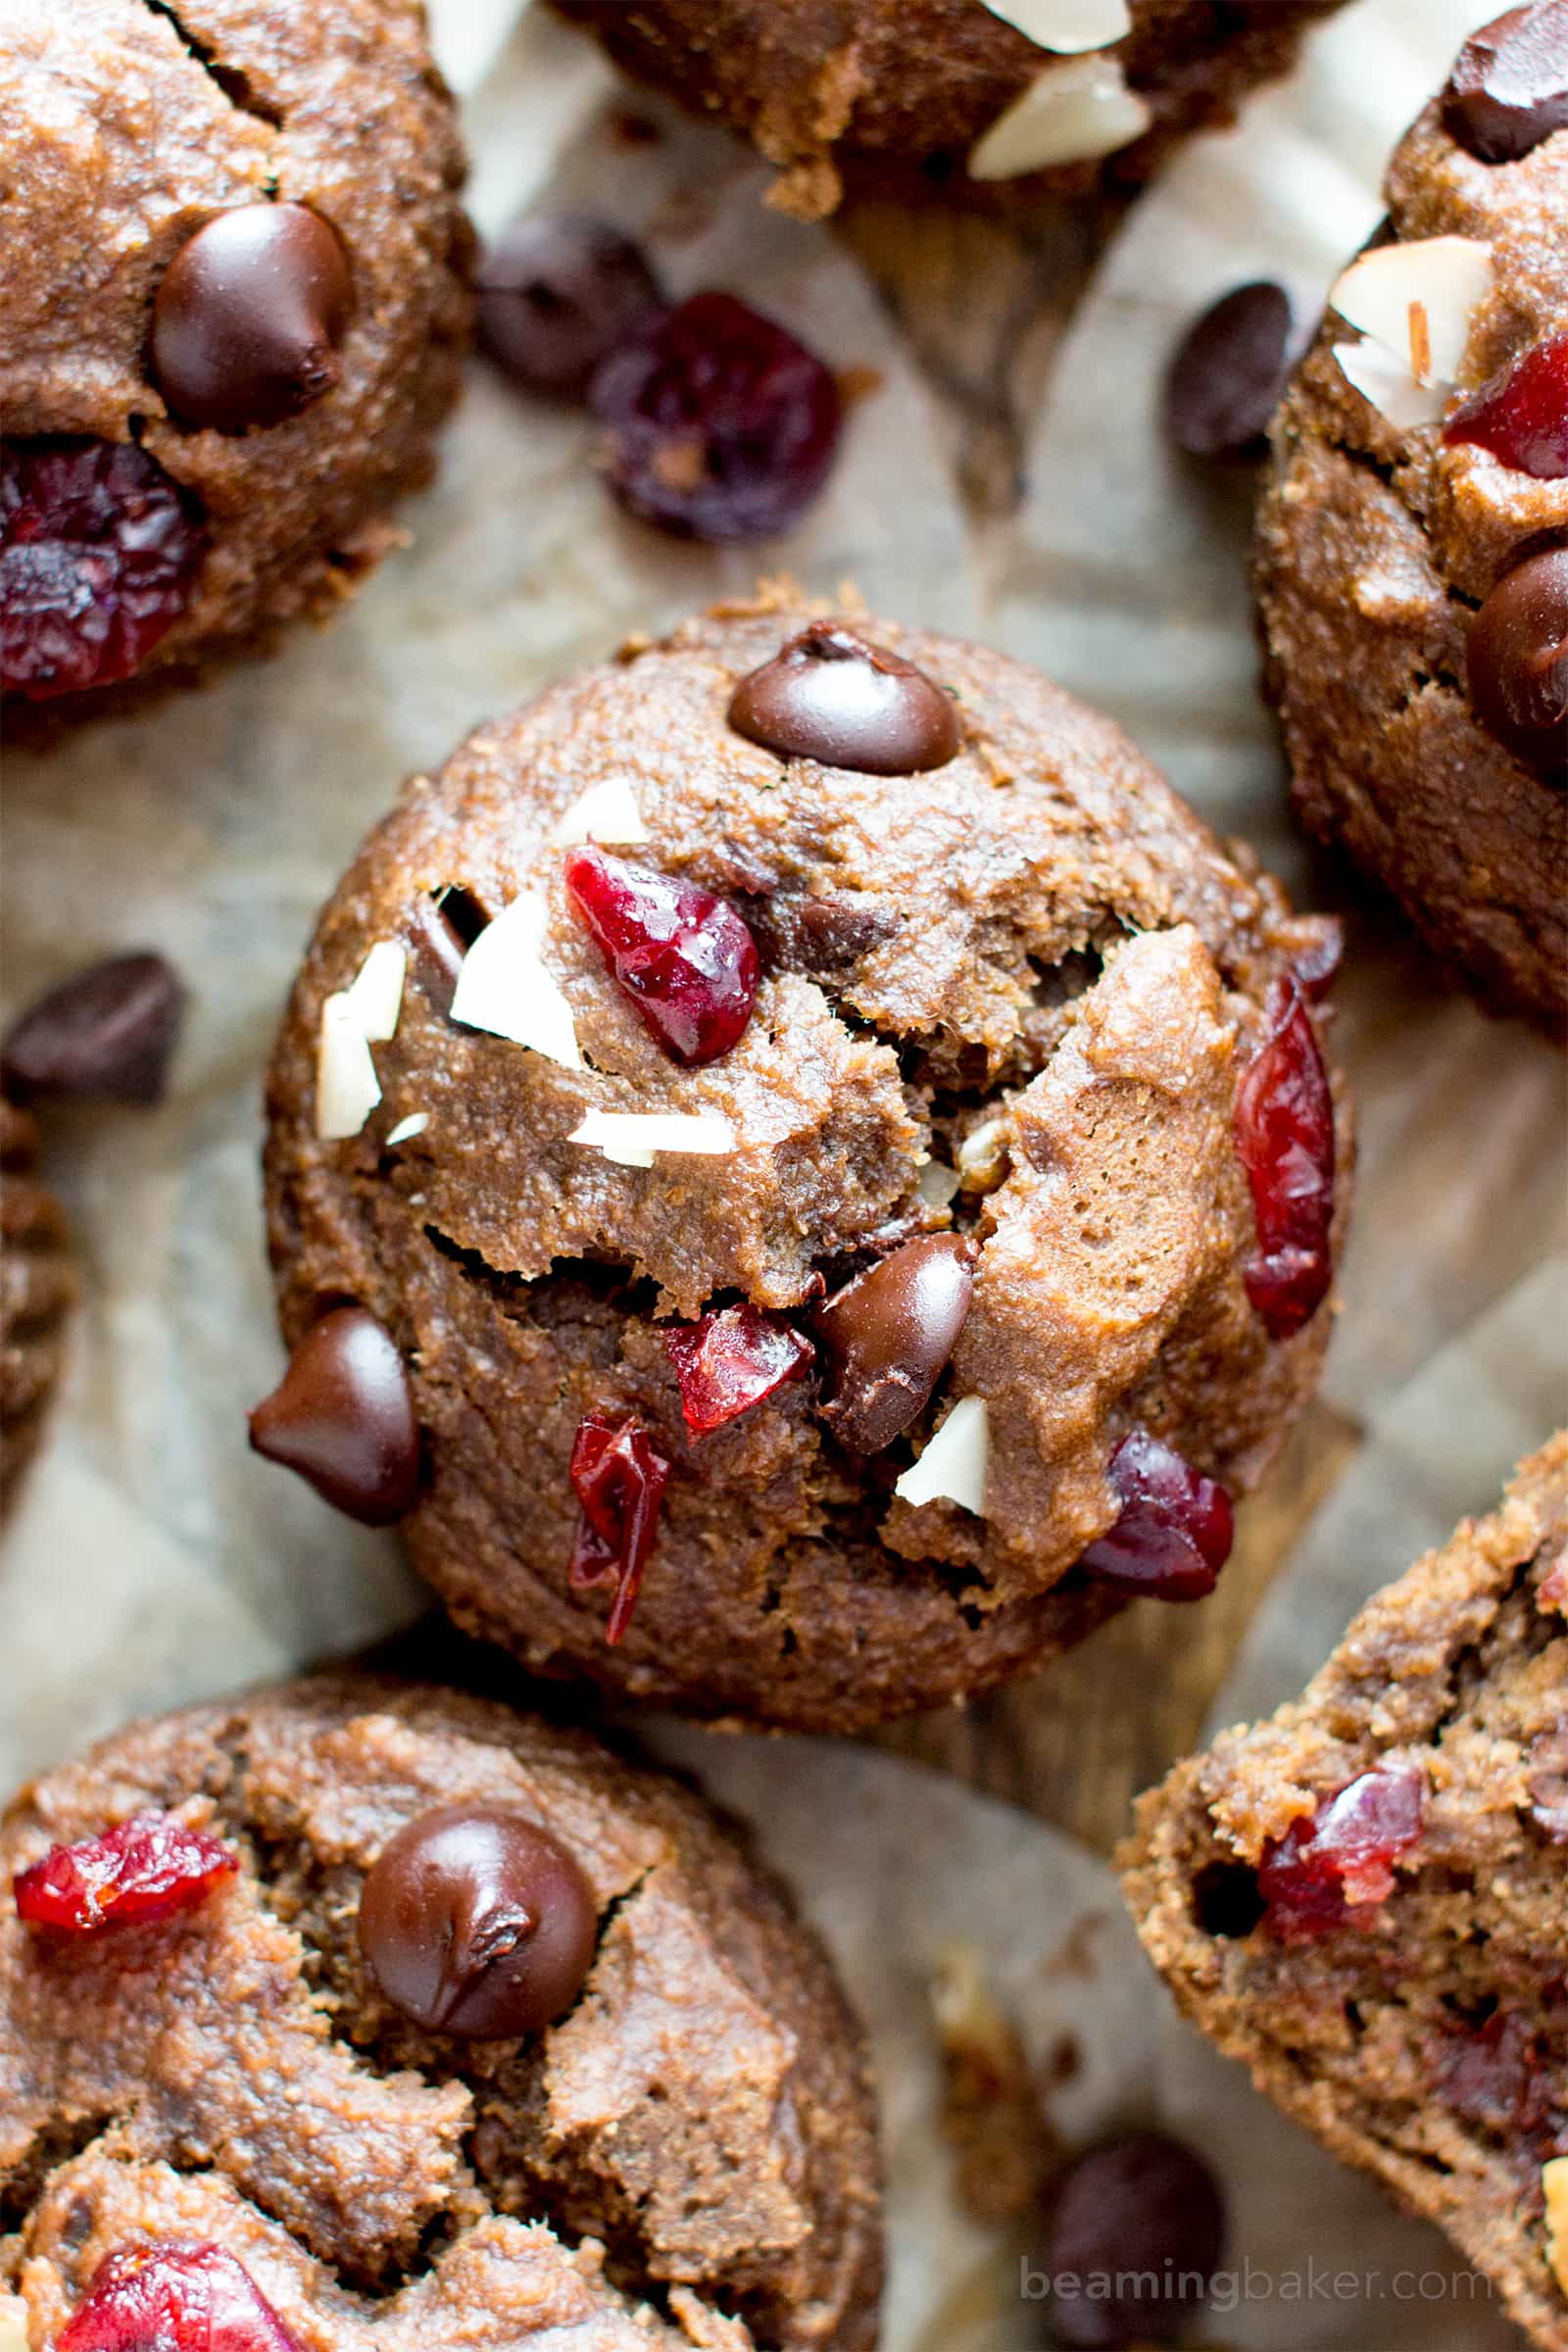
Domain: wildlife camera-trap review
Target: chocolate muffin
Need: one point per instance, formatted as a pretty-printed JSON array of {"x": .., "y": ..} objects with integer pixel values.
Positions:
[
  {"x": 37, "y": 1289},
  {"x": 1413, "y": 552},
  {"x": 1364, "y": 1898},
  {"x": 357, "y": 2015},
  {"x": 967, "y": 95},
  {"x": 231, "y": 317},
  {"x": 829, "y": 1247}
]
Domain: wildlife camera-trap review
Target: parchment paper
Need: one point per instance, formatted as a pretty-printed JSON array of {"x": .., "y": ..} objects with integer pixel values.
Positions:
[{"x": 152, "y": 1560}]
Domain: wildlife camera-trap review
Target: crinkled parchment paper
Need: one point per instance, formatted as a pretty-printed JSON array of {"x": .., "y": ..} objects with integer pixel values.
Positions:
[{"x": 152, "y": 1560}]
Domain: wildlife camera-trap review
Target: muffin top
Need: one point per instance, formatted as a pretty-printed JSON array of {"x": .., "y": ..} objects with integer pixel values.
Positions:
[
  {"x": 968, "y": 1020},
  {"x": 262, "y": 387},
  {"x": 292, "y": 2034},
  {"x": 1414, "y": 535}
]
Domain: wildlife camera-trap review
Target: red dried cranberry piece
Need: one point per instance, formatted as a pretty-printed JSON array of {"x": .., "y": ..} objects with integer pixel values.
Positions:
[
  {"x": 1176, "y": 1527},
  {"x": 731, "y": 1360},
  {"x": 1334, "y": 1865},
  {"x": 1498, "y": 2076},
  {"x": 176, "y": 2296},
  {"x": 149, "y": 1867},
  {"x": 684, "y": 958},
  {"x": 1284, "y": 1141},
  {"x": 1522, "y": 414},
  {"x": 619, "y": 1482},
  {"x": 99, "y": 550},
  {"x": 721, "y": 425}
]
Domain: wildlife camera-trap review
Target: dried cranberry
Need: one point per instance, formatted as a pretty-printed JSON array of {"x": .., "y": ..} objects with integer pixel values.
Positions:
[
  {"x": 176, "y": 2296},
  {"x": 731, "y": 1360},
  {"x": 1522, "y": 414},
  {"x": 99, "y": 550},
  {"x": 1498, "y": 2076},
  {"x": 721, "y": 425},
  {"x": 1333, "y": 1866},
  {"x": 684, "y": 958},
  {"x": 147, "y": 1868},
  {"x": 1284, "y": 1141},
  {"x": 619, "y": 1482},
  {"x": 1176, "y": 1527}
]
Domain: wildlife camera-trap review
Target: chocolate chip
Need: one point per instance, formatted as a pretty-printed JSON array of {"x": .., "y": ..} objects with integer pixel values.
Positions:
[
  {"x": 1518, "y": 664},
  {"x": 556, "y": 293},
  {"x": 343, "y": 1417},
  {"x": 887, "y": 1335},
  {"x": 438, "y": 951},
  {"x": 822, "y": 935},
  {"x": 110, "y": 1030},
  {"x": 1229, "y": 370},
  {"x": 1138, "y": 2225},
  {"x": 475, "y": 1921},
  {"x": 829, "y": 696},
  {"x": 1509, "y": 86},
  {"x": 249, "y": 316}
]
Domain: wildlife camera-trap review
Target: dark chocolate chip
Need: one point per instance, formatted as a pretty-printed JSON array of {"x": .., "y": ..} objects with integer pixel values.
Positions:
[
  {"x": 1518, "y": 664},
  {"x": 476, "y": 1922},
  {"x": 1229, "y": 370},
  {"x": 343, "y": 1417},
  {"x": 249, "y": 316},
  {"x": 829, "y": 696},
  {"x": 824, "y": 934},
  {"x": 1138, "y": 2225},
  {"x": 556, "y": 293},
  {"x": 887, "y": 1335},
  {"x": 438, "y": 949},
  {"x": 110, "y": 1030},
  {"x": 1509, "y": 86}
]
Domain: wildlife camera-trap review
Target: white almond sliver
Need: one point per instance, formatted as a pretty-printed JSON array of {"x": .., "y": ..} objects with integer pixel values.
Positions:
[
  {"x": 1446, "y": 275},
  {"x": 937, "y": 1183},
  {"x": 953, "y": 1467},
  {"x": 376, "y": 994},
  {"x": 1554, "y": 2188},
  {"x": 12, "y": 2325},
  {"x": 632, "y": 1137},
  {"x": 1067, "y": 26},
  {"x": 1071, "y": 114},
  {"x": 347, "y": 1089},
  {"x": 504, "y": 988},
  {"x": 1390, "y": 386},
  {"x": 407, "y": 1129},
  {"x": 607, "y": 811}
]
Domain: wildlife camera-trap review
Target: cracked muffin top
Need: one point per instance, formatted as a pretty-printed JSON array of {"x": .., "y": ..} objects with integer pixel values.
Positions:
[
  {"x": 357, "y": 2014},
  {"x": 231, "y": 317},
  {"x": 965, "y": 95},
  {"x": 802, "y": 1173},
  {"x": 1413, "y": 552}
]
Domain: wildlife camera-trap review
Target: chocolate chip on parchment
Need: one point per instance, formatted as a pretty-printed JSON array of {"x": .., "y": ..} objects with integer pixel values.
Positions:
[
  {"x": 1229, "y": 370},
  {"x": 109, "y": 1030}
]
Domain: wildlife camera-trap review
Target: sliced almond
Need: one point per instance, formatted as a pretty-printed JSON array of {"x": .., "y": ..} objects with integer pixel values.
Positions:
[
  {"x": 1071, "y": 114},
  {"x": 937, "y": 1183},
  {"x": 506, "y": 988},
  {"x": 1554, "y": 2188},
  {"x": 953, "y": 1467},
  {"x": 607, "y": 811},
  {"x": 347, "y": 1089},
  {"x": 376, "y": 994},
  {"x": 1387, "y": 382},
  {"x": 632, "y": 1137},
  {"x": 407, "y": 1129},
  {"x": 1067, "y": 26},
  {"x": 12, "y": 2325},
  {"x": 1446, "y": 275}
]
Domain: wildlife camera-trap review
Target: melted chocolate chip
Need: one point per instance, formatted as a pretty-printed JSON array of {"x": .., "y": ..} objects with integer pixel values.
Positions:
[
  {"x": 557, "y": 292},
  {"x": 110, "y": 1030},
  {"x": 1509, "y": 86},
  {"x": 438, "y": 949},
  {"x": 1518, "y": 664},
  {"x": 1229, "y": 370},
  {"x": 342, "y": 1416},
  {"x": 249, "y": 316},
  {"x": 476, "y": 1922},
  {"x": 829, "y": 696},
  {"x": 887, "y": 1335},
  {"x": 822, "y": 936}
]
